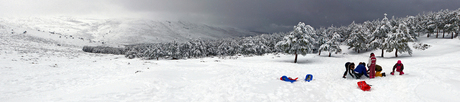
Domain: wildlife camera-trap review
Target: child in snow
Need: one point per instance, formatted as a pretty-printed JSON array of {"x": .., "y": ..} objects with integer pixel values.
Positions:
[
  {"x": 378, "y": 70},
  {"x": 361, "y": 70},
  {"x": 349, "y": 66},
  {"x": 399, "y": 68},
  {"x": 371, "y": 65}
]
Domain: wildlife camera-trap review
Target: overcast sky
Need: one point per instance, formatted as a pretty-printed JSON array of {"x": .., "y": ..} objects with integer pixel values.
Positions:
[{"x": 254, "y": 15}]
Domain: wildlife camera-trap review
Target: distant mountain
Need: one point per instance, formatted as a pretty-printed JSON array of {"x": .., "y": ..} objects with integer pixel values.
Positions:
[{"x": 126, "y": 31}]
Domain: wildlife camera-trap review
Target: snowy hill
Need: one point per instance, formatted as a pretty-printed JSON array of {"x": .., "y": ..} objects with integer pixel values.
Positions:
[
  {"x": 34, "y": 68},
  {"x": 123, "y": 31}
]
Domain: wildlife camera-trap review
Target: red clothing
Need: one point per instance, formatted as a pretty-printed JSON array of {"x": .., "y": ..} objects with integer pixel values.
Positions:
[{"x": 373, "y": 60}]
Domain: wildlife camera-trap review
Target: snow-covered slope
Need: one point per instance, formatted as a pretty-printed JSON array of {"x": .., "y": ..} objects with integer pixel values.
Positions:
[
  {"x": 36, "y": 69},
  {"x": 124, "y": 31}
]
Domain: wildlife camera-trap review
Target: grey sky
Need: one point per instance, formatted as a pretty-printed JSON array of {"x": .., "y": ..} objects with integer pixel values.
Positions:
[{"x": 255, "y": 15}]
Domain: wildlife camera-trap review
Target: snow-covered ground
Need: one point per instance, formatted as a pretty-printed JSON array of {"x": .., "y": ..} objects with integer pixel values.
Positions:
[
  {"x": 123, "y": 31},
  {"x": 35, "y": 68}
]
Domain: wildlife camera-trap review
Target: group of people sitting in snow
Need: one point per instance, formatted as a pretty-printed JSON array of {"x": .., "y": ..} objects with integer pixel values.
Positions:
[{"x": 372, "y": 69}]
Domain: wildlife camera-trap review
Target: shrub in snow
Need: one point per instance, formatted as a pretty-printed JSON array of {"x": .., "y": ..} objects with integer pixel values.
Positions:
[
  {"x": 130, "y": 54},
  {"x": 421, "y": 46},
  {"x": 103, "y": 49}
]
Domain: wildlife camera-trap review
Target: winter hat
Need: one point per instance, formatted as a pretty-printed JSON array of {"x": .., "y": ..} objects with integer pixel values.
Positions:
[
  {"x": 399, "y": 61},
  {"x": 372, "y": 54}
]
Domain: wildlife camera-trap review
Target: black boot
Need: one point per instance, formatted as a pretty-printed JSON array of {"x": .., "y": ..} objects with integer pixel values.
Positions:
[{"x": 383, "y": 74}]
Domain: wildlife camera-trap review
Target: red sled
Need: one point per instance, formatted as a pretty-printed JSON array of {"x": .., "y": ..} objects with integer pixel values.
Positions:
[{"x": 364, "y": 86}]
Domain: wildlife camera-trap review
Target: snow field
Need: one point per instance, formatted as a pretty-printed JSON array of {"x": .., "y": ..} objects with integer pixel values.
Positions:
[{"x": 36, "y": 69}]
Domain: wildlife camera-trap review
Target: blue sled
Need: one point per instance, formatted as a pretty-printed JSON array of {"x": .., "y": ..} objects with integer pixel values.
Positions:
[
  {"x": 285, "y": 78},
  {"x": 309, "y": 77}
]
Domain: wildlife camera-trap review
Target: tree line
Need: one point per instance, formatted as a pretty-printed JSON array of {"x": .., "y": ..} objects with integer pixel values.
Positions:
[{"x": 390, "y": 35}]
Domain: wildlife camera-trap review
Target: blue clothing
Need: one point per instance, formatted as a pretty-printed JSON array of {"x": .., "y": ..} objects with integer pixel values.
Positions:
[{"x": 361, "y": 69}]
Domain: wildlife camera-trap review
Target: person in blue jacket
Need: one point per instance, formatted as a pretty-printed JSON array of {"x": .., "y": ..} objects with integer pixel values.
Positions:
[{"x": 361, "y": 70}]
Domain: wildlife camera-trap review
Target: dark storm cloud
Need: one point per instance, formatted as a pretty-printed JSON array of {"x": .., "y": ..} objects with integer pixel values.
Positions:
[
  {"x": 281, "y": 15},
  {"x": 256, "y": 15}
]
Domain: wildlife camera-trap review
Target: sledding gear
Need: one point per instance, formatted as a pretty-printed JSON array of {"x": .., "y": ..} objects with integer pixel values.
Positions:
[
  {"x": 364, "y": 86},
  {"x": 309, "y": 77},
  {"x": 399, "y": 68},
  {"x": 360, "y": 70},
  {"x": 288, "y": 79},
  {"x": 349, "y": 66}
]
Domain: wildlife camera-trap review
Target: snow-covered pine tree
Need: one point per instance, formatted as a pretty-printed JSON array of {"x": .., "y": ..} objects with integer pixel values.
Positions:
[
  {"x": 249, "y": 46},
  {"x": 357, "y": 39},
  {"x": 452, "y": 23},
  {"x": 323, "y": 37},
  {"x": 185, "y": 49},
  {"x": 412, "y": 24},
  {"x": 224, "y": 49},
  {"x": 332, "y": 45},
  {"x": 260, "y": 46},
  {"x": 399, "y": 40},
  {"x": 379, "y": 35},
  {"x": 439, "y": 22},
  {"x": 147, "y": 54},
  {"x": 269, "y": 41},
  {"x": 300, "y": 41},
  {"x": 431, "y": 24},
  {"x": 197, "y": 49},
  {"x": 211, "y": 48}
]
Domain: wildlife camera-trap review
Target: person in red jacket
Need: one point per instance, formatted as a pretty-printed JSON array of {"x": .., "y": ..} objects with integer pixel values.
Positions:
[
  {"x": 399, "y": 68},
  {"x": 372, "y": 61}
]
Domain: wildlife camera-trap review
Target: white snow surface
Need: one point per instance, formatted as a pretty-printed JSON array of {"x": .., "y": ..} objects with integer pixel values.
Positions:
[
  {"x": 123, "y": 30},
  {"x": 35, "y": 69}
]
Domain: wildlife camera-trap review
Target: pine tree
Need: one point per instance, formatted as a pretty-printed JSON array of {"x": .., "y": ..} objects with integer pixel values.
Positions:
[
  {"x": 431, "y": 24},
  {"x": 323, "y": 37},
  {"x": 197, "y": 49},
  {"x": 357, "y": 39},
  {"x": 300, "y": 41},
  {"x": 249, "y": 47},
  {"x": 452, "y": 23},
  {"x": 332, "y": 45},
  {"x": 399, "y": 40},
  {"x": 378, "y": 38}
]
